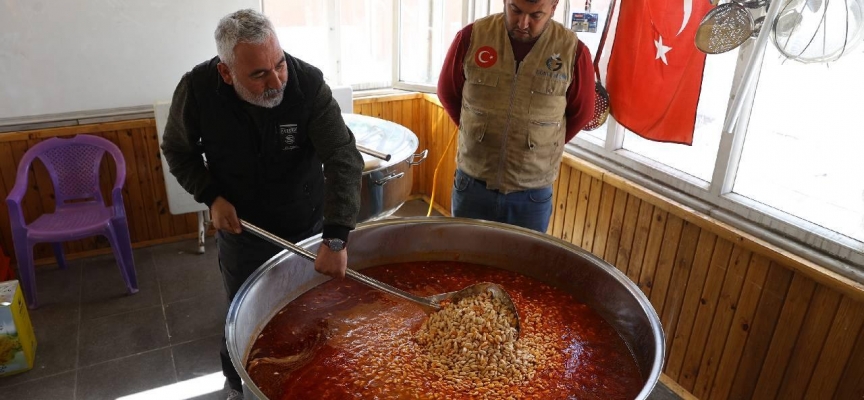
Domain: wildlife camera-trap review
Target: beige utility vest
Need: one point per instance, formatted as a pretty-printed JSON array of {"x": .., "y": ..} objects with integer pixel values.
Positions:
[{"x": 512, "y": 125}]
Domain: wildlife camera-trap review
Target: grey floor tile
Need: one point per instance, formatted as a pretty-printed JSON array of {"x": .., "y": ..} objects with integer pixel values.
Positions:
[
  {"x": 56, "y": 387},
  {"x": 122, "y": 335},
  {"x": 185, "y": 251},
  {"x": 196, "y": 318},
  {"x": 661, "y": 392},
  {"x": 56, "y": 351},
  {"x": 104, "y": 293},
  {"x": 415, "y": 208},
  {"x": 59, "y": 293},
  {"x": 136, "y": 374},
  {"x": 181, "y": 280},
  {"x": 197, "y": 358}
]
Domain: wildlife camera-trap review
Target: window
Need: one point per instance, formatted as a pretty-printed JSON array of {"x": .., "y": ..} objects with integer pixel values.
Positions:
[
  {"x": 426, "y": 30},
  {"x": 802, "y": 152},
  {"x": 351, "y": 41},
  {"x": 791, "y": 165}
]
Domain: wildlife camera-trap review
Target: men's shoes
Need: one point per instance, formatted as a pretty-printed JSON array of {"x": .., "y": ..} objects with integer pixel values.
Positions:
[{"x": 235, "y": 395}]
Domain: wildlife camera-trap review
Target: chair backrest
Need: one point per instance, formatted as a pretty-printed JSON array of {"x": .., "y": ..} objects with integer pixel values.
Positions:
[{"x": 73, "y": 165}]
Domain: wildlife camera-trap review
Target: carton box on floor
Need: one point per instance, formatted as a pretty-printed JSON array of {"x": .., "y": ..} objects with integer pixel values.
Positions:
[{"x": 17, "y": 341}]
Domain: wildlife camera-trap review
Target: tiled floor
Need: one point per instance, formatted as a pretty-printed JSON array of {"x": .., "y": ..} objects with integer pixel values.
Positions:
[{"x": 95, "y": 342}]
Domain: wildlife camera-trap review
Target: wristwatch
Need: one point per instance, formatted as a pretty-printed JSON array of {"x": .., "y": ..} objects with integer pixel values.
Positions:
[{"x": 334, "y": 244}]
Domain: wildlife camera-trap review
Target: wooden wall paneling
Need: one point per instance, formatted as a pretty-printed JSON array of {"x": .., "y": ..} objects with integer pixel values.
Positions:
[
  {"x": 572, "y": 201},
  {"x": 160, "y": 196},
  {"x": 619, "y": 208},
  {"x": 722, "y": 321},
  {"x": 418, "y": 184},
  {"x": 810, "y": 343},
  {"x": 107, "y": 176},
  {"x": 690, "y": 303},
  {"x": 658, "y": 283},
  {"x": 148, "y": 193},
  {"x": 592, "y": 213},
  {"x": 431, "y": 110},
  {"x": 555, "y": 212},
  {"x": 640, "y": 240},
  {"x": 628, "y": 231},
  {"x": 8, "y": 169},
  {"x": 645, "y": 279},
  {"x": 744, "y": 310},
  {"x": 845, "y": 331},
  {"x": 365, "y": 109},
  {"x": 789, "y": 323},
  {"x": 644, "y": 259},
  {"x": 684, "y": 259},
  {"x": 581, "y": 209},
  {"x": 135, "y": 213},
  {"x": 851, "y": 384},
  {"x": 764, "y": 322},
  {"x": 704, "y": 314},
  {"x": 378, "y": 110},
  {"x": 561, "y": 202},
  {"x": 601, "y": 234}
]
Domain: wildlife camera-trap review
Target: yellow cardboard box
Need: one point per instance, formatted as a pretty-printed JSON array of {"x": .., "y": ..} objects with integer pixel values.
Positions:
[{"x": 17, "y": 341}]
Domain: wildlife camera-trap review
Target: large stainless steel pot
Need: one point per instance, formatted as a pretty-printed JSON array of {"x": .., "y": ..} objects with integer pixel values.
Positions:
[
  {"x": 386, "y": 184},
  {"x": 560, "y": 264}
]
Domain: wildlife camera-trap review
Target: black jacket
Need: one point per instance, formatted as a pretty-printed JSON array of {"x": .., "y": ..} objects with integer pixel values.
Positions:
[{"x": 266, "y": 162}]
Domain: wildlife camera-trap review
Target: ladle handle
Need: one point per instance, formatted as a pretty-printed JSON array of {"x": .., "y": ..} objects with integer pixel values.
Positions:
[
  {"x": 373, "y": 153},
  {"x": 278, "y": 241}
]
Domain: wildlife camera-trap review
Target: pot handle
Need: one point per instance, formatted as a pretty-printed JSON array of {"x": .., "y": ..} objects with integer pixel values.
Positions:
[
  {"x": 388, "y": 178},
  {"x": 422, "y": 156}
]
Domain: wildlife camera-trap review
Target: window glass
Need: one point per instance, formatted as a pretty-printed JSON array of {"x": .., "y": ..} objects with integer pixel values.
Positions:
[
  {"x": 803, "y": 149},
  {"x": 426, "y": 30}
]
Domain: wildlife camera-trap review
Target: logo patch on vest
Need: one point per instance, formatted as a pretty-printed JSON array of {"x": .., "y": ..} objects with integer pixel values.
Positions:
[
  {"x": 288, "y": 136},
  {"x": 554, "y": 62},
  {"x": 485, "y": 57}
]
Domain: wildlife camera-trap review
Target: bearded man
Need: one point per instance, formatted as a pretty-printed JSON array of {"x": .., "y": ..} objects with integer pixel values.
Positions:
[{"x": 265, "y": 123}]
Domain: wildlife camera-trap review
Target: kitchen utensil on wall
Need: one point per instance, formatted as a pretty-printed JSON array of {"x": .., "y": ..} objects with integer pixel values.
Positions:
[
  {"x": 601, "y": 96},
  {"x": 724, "y": 28},
  {"x": 812, "y": 31}
]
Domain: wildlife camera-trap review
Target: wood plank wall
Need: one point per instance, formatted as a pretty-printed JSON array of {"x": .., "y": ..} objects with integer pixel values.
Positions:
[{"x": 742, "y": 320}]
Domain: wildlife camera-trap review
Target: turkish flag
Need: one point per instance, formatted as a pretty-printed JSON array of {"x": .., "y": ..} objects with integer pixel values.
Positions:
[{"x": 654, "y": 74}]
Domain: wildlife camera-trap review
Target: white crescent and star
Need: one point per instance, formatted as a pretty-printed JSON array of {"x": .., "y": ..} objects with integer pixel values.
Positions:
[
  {"x": 661, "y": 50},
  {"x": 484, "y": 60}
]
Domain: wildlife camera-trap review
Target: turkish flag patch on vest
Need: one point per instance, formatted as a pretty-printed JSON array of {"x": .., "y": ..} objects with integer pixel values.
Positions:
[{"x": 655, "y": 71}]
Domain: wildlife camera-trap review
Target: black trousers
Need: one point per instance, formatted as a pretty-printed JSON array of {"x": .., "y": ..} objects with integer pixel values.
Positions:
[{"x": 239, "y": 256}]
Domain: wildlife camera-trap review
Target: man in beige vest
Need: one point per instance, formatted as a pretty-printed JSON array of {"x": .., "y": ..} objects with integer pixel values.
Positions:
[{"x": 519, "y": 86}]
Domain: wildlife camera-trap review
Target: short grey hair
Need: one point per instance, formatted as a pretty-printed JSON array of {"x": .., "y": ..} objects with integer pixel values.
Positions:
[{"x": 244, "y": 26}]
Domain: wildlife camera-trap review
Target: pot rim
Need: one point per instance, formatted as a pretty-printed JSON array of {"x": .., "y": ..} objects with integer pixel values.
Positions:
[{"x": 311, "y": 243}]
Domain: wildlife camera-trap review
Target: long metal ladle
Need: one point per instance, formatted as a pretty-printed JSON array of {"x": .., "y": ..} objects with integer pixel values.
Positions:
[{"x": 429, "y": 304}]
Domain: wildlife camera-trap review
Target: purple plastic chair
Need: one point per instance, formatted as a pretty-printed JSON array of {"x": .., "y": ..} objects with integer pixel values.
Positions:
[{"x": 80, "y": 211}]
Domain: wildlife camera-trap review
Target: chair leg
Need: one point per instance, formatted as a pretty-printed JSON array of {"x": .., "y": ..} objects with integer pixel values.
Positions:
[
  {"x": 122, "y": 245},
  {"x": 60, "y": 255},
  {"x": 26, "y": 272}
]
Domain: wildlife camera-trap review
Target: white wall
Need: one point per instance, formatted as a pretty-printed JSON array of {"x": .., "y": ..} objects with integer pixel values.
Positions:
[{"x": 62, "y": 56}]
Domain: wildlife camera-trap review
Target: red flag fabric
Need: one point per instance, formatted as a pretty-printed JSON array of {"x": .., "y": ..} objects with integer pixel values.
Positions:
[{"x": 655, "y": 70}]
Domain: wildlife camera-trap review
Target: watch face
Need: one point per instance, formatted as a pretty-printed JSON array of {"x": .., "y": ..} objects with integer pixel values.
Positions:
[{"x": 334, "y": 244}]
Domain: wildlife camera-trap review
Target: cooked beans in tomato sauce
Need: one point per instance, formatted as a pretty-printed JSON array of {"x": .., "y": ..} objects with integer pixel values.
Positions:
[{"x": 344, "y": 340}]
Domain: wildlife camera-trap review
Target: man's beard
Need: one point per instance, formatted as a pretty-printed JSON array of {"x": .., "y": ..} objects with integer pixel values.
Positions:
[{"x": 268, "y": 99}]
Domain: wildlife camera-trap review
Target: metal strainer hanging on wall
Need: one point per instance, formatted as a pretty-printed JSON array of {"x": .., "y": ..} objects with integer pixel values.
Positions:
[
  {"x": 812, "y": 31},
  {"x": 724, "y": 28},
  {"x": 601, "y": 96}
]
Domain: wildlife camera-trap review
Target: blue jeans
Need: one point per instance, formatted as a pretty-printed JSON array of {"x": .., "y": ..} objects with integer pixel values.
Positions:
[{"x": 528, "y": 208}]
